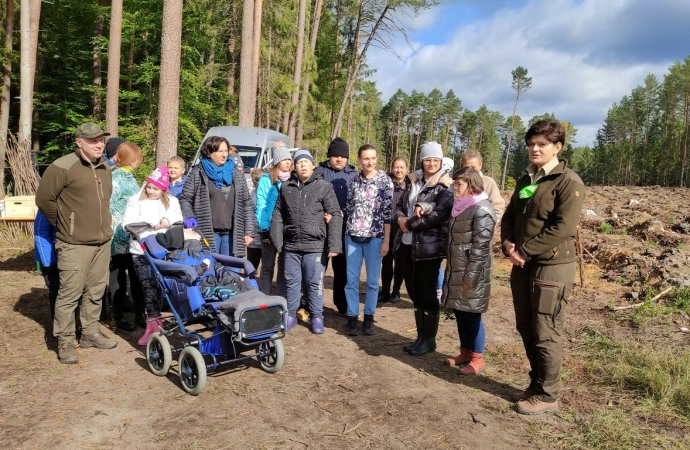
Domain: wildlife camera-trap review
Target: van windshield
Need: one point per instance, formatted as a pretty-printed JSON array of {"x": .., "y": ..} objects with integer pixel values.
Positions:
[{"x": 249, "y": 155}]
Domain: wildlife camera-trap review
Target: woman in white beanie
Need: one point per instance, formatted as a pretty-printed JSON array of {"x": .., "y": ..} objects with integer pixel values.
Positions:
[
  {"x": 422, "y": 214},
  {"x": 267, "y": 192}
]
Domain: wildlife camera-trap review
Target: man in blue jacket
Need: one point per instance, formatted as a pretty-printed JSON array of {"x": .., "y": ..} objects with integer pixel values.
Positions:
[{"x": 339, "y": 173}]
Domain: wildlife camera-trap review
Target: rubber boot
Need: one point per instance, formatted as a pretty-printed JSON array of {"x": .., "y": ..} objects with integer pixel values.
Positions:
[
  {"x": 475, "y": 366},
  {"x": 418, "y": 313},
  {"x": 463, "y": 358},
  {"x": 153, "y": 325},
  {"x": 429, "y": 330}
]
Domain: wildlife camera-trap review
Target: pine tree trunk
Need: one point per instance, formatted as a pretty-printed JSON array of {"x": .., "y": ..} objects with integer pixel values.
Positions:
[
  {"x": 336, "y": 66},
  {"x": 316, "y": 20},
  {"x": 297, "y": 75},
  {"x": 97, "y": 81},
  {"x": 246, "y": 108},
  {"x": 5, "y": 100},
  {"x": 230, "y": 57},
  {"x": 354, "y": 71},
  {"x": 35, "y": 26},
  {"x": 26, "y": 89},
  {"x": 256, "y": 53},
  {"x": 169, "y": 95},
  {"x": 130, "y": 64},
  {"x": 286, "y": 118},
  {"x": 112, "y": 98}
]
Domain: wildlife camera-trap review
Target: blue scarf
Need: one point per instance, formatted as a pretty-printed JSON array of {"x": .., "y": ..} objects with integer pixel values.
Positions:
[{"x": 219, "y": 175}]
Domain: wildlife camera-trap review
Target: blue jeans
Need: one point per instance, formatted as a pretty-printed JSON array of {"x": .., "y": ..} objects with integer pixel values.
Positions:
[
  {"x": 308, "y": 268},
  {"x": 471, "y": 330},
  {"x": 223, "y": 243},
  {"x": 370, "y": 253},
  {"x": 439, "y": 280}
]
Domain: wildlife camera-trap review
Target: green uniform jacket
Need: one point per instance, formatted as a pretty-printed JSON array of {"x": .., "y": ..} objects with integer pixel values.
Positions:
[
  {"x": 543, "y": 226},
  {"x": 74, "y": 195}
]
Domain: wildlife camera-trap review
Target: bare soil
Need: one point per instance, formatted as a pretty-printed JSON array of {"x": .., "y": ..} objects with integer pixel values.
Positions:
[{"x": 336, "y": 391}]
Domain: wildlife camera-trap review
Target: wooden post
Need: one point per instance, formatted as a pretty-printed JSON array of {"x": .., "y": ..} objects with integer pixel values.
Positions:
[{"x": 580, "y": 258}]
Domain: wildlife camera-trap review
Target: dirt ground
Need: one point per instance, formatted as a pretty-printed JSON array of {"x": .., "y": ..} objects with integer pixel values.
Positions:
[{"x": 334, "y": 391}]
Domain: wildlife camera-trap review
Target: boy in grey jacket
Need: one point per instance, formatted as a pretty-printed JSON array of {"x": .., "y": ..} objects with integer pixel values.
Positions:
[{"x": 298, "y": 229}]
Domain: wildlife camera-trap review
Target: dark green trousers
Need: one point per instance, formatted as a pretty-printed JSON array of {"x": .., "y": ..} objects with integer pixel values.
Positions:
[{"x": 540, "y": 296}]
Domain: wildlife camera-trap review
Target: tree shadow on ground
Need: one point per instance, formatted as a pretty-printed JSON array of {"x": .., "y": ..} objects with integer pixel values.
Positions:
[
  {"x": 34, "y": 305},
  {"x": 388, "y": 343},
  {"x": 23, "y": 262}
]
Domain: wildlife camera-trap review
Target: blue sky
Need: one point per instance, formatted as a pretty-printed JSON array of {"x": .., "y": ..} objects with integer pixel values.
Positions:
[{"x": 583, "y": 55}]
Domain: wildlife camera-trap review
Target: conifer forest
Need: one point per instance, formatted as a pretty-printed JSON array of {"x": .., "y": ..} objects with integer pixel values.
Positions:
[{"x": 161, "y": 73}]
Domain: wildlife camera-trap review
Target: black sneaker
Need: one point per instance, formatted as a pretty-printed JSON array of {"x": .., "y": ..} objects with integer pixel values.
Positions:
[
  {"x": 395, "y": 297},
  {"x": 383, "y": 297},
  {"x": 368, "y": 327},
  {"x": 351, "y": 329}
]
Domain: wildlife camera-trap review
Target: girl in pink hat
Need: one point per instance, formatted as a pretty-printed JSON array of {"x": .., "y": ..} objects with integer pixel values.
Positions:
[{"x": 155, "y": 206}]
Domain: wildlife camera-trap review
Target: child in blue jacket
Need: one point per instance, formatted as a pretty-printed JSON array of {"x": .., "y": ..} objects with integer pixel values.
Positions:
[{"x": 44, "y": 252}]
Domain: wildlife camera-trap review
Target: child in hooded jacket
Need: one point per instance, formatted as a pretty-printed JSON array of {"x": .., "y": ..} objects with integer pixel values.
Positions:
[{"x": 155, "y": 206}]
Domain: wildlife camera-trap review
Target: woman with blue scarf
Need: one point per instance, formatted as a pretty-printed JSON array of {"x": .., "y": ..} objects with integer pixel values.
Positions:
[{"x": 216, "y": 200}]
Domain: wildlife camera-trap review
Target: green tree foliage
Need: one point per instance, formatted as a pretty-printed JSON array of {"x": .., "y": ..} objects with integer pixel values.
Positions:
[
  {"x": 211, "y": 41},
  {"x": 645, "y": 137}
]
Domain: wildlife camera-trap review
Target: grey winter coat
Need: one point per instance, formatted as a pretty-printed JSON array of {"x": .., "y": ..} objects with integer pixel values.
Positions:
[
  {"x": 298, "y": 224},
  {"x": 195, "y": 202},
  {"x": 469, "y": 259}
]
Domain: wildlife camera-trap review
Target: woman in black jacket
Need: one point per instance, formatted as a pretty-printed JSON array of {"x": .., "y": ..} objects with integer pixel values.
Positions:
[
  {"x": 391, "y": 270},
  {"x": 422, "y": 214},
  {"x": 467, "y": 285}
]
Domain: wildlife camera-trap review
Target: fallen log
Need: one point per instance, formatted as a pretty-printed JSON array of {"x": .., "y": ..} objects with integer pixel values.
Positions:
[{"x": 637, "y": 305}]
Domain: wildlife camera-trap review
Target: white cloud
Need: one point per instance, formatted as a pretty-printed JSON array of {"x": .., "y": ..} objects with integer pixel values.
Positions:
[{"x": 582, "y": 57}]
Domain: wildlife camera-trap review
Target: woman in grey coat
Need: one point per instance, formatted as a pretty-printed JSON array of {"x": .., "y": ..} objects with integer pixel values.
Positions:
[
  {"x": 216, "y": 200},
  {"x": 467, "y": 284}
]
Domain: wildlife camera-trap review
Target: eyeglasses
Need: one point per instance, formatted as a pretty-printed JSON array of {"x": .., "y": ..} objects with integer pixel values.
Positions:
[{"x": 432, "y": 161}]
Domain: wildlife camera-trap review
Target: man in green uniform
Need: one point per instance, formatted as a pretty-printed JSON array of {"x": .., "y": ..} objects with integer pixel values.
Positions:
[{"x": 74, "y": 195}]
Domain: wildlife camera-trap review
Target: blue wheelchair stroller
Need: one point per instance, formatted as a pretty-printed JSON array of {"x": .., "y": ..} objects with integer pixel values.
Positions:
[{"x": 215, "y": 331}]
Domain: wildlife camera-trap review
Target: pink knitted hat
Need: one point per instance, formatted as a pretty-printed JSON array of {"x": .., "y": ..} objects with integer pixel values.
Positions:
[{"x": 160, "y": 177}]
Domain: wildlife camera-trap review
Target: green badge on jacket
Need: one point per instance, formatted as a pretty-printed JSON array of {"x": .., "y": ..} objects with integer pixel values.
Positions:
[{"x": 528, "y": 191}]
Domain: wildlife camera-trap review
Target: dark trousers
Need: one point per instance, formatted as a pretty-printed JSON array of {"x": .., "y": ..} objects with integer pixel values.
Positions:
[
  {"x": 391, "y": 271},
  {"x": 149, "y": 287},
  {"x": 339, "y": 263},
  {"x": 51, "y": 276},
  {"x": 254, "y": 257},
  {"x": 470, "y": 330},
  {"x": 122, "y": 269},
  {"x": 540, "y": 296},
  {"x": 420, "y": 279}
]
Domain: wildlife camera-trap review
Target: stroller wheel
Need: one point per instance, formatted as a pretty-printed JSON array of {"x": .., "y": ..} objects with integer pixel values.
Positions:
[
  {"x": 192, "y": 369},
  {"x": 271, "y": 355},
  {"x": 158, "y": 354}
]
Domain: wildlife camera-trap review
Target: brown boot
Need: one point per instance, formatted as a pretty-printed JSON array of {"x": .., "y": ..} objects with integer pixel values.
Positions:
[
  {"x": 67, "y": 352},
  {"x": 534, "y": 406},
  {"x": 521, "y": 395},
  {"x": 475, "y": 366},
  {"x": 462, "y": 358},
  {"x": 97, "y": 340}
]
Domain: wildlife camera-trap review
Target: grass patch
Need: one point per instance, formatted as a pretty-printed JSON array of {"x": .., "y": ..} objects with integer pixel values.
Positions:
[
  {"x": 605, "y": 227},
  {"x": 680, "y": 299},
  {"x": 676, "y": 300},
  {"x": 658, "y": 378},
  {"x": 649, "y": 392}
]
